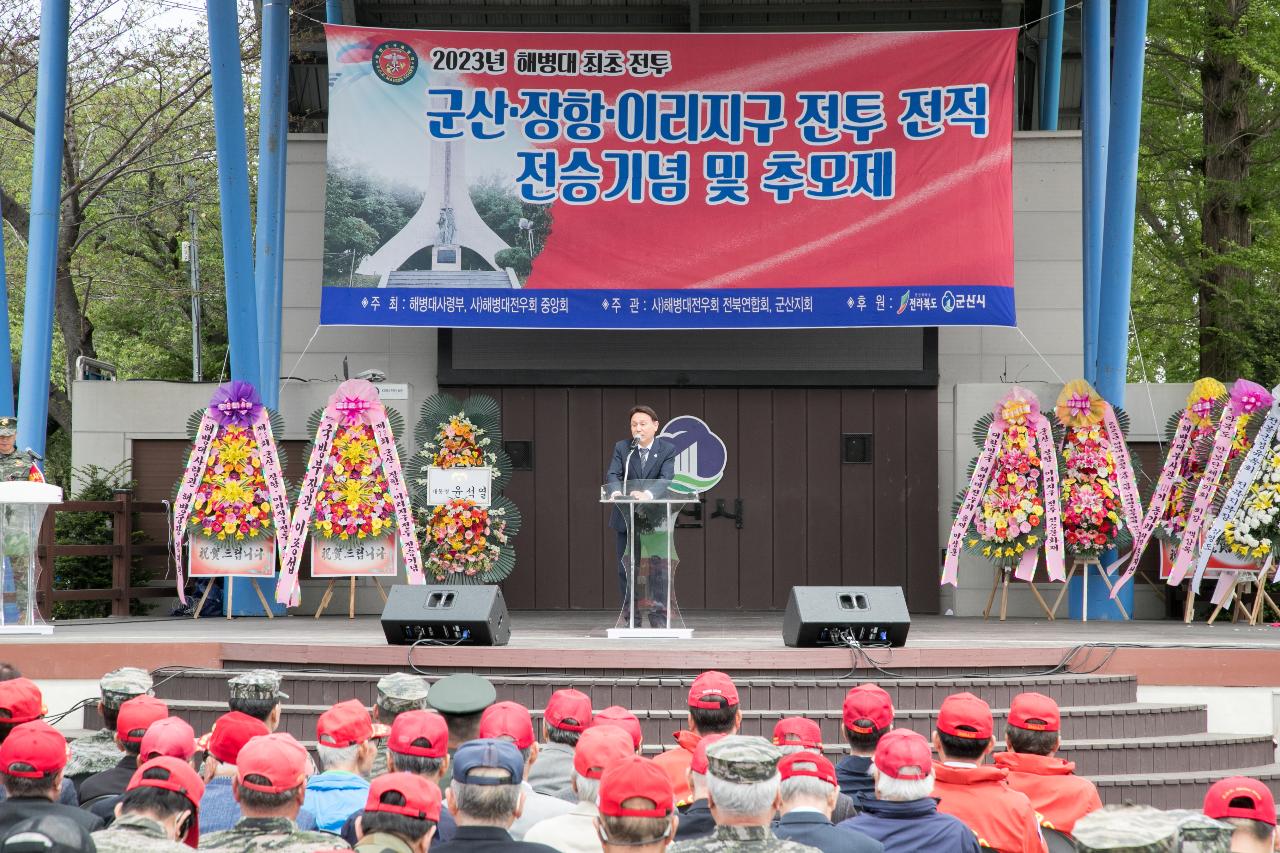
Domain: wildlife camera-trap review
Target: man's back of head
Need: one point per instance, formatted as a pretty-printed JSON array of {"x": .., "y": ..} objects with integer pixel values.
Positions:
[
  {"x": 1249, "y": 806},
  {"x": 903, "y": 767},
  {"x": 486, "y": 789},
  {"x": 637, "y": 807},
  {"x": 31, "y": 761},
  {"x": 743, "y": 781},
  {"x": 257, "y": 693},
  {"x": 271, "y": 777},
  {"x": 714, "y": 704},
  {"x": 867, "y": 714},
  {"x": 419, "y": 743},
  {"x": 402, "y": 805}
]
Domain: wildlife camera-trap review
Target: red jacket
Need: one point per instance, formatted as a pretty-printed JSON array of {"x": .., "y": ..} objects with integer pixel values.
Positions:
[
  {"x": 980, "y": 796},
  {"x": 1060, "y": 797},
  {"x": 675, "y": 763}
]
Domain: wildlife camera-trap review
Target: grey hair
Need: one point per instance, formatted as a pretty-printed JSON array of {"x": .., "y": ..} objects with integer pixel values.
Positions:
[
  {"x": 588, "y": 789},
  {"x": 902, "y": 790},
  {"x": 744, "y": 799},
  {"x": 805, "y": 786},
  {"x": 494, "y": 804},
  {"x": 332, "y": 756}
]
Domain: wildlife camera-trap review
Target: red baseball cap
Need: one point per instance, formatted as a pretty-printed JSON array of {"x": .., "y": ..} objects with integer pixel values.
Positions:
[
  {"x": 136, "y": 716},
  {"x": 713, "y": 690},
  {"x": 568, "y": 705},
  {"x": 180, "y": 778},
  {"x": 1034, "y": 711},
  {"x": 599, "y": 749},
  {"x": 698, "y": 764},
  {"x": 37, "y": 744},
  {"x": 904, "y": 754},
  {"x": 278, "y": 757},
  {"x": 806, "y": 763},
  {"x": 636, "y": 778},
  {"x": 1240, "y": 796},
  {"x": 421, "y": 798},
  {"x": 344, "y": 724},
  {"x": 413, "y": 726},
  {"x": 507, "y": 720},
  {"x": 172, "y": 736},
  {"x": 22, "y": 699},
  {"x": 231, "y": 732},
  {"x": 965, "y": 715},
  {"x": 867, "y": 703},
  {"x": 797, "y": 731},
  {"x": 616, "y": 715}
]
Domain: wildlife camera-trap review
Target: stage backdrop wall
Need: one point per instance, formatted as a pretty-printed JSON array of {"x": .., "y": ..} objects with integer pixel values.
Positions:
[{"x": 677, "y": 180}]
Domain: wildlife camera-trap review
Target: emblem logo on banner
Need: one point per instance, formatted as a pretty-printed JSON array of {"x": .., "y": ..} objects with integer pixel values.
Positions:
[
  {"x": 700, "y": 454},
  {"x": 395, "y": 62}
]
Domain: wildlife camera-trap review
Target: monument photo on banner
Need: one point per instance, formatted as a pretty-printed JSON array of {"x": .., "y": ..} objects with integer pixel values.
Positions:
[{"x": 673, "y": 180}]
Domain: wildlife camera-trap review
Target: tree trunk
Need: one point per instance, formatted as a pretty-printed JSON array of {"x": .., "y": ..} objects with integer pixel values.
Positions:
[{"x": 1224, "y": 214}]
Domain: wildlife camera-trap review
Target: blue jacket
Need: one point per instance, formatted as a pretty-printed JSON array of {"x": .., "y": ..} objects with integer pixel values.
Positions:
[
  {"x": 853, "y": 774},
  {"x": 815, "y": 830},
  {"x": 335, "y": 795},
  {"x": 912, "y": 826}
]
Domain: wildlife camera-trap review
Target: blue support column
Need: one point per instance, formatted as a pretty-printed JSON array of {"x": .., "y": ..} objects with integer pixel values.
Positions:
[
  {"x": 333, "y": 11},
  {"x": 1095, "y": 122},
  {"x": 233, "y": 190},
  {"x": 6, "y": 353},
  {"x": 42, "y": 242},
  {"x": 272, "y": 138},
  {"x": 1051, "y": 61}
]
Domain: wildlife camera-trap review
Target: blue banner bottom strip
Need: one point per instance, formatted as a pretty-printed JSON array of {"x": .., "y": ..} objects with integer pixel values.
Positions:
[{"x": 765, "y": 308}]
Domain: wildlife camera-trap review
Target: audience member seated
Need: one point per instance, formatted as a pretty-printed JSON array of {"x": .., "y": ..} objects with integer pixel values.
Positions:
[
  {"x": 809, "y": 795},
  {"x": 637, "y": 808},
  {"x": 1142, "y": 829},
  {"x": 1248, "y": 805},
  {"x": 132, "y": 722},
  {"x": 980, "y": 795},
  {"x": 398, "y": 693},
  {"x": 1032, "y": 737},
  {"x": 32, "y": 759},
  {"x": 616, "y": 715},
  {"x": 902, "y": 815},
  {"x": 575, "y": 831},
  {"x": 48, "y": 834},
  {"x": 400, "y": 815},
  {"x": 257, "y": 693},
  {"x": 218, "y": 807},
  {"x": 867, "y": 715},
  {"x": 346, "y": 750},
  {"x": 171, "y": 737},
  {"x": 159, "y": 812},
  {"x": 461, "y": 699},
  {"x": 22, "y": 702},
  {"x": 566, "y": 717},
  {"x": 511, "y": 721},
  {"x": 270, "y": 785},
  {"x": 695, "y": 817},
  {"x": 486, "y": 796},
  {"x": 797, "y": 734},
  {"x": 97, "y": 752},
  {"x": 713, "y": 710}
]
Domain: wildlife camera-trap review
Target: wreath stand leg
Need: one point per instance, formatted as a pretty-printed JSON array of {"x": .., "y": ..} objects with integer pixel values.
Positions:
[
  {"x": 1158, "y": 588},
  {"x": 324, "y": 599},
  {"x": 1062, "y": 593},
  {"x": 265, "y": 607},
  {"x": 203, "y": 596},
  {"x": 1111, "y": 587},
  {"x": 381, "y": 590},
  {"x": 995, "y": 585},
  {"x": 1189, "y": 609},
  {"x": 1255, "y": 615},
  {"x": 351, "y": 598},
  {"x": 231, "y": 590}
]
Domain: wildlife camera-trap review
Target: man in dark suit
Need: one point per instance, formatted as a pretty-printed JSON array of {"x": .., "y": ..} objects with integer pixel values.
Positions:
[
  {"x": 808, "y": 795},
  {"x": 642, "y": 468}
]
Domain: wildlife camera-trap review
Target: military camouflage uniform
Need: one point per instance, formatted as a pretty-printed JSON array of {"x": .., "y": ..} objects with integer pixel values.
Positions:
[
  {"x": 1143, "y": 829},
  {"x": 256, "y": 684},
  {"x": 15, "y": 465},
  {"x": 744, "y": 760},
  {"x": 277, "y": 834},
  {"x": 97, "y": 752},
  {"x": 134, "y": 833},
  {"x": 397, "y": 693}
]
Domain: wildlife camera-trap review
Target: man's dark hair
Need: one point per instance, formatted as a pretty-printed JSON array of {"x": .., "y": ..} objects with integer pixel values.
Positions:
[
  {"x": 160, "y": 802},
  {"x": 419, "y": 765},
  {"x": 8, "y": 672},
  {"x": 463, "y": 727},
  {"x": 864, "y": 741},
  {"x": 410, "y": 829},
  {"x": 386, "y": 715},
  {"x": 257, "y": 708},
  {"x": 563, "y": 736},
  {"x": 964, "y": 748},
  {"x": 714, "y": 721},
  {"x": 263, "y": 800},
  {"x": 133, "y": 747},
  {"x": 1031, "y": 742},
  {"x": 109, "y": 716},
  {"x": 20, "y": 786},
  {"x": 647, "y": 410}
]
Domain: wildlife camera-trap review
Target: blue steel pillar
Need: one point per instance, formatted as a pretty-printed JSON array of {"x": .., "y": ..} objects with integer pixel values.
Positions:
[
  {"x": 333, "y": 11},
  {"x": 6, "y": 354},
  {"x": 233, "y": 190},
  {"x": 1051, "y": 64},
  {"x": 1095, "y": 121},
  {"x": 272, "y": 135},
  {"x": 42, "y": 242}
]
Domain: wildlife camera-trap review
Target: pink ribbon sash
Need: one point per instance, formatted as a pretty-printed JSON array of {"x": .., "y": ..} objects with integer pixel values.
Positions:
[
  {"x": 1126, "y": 482},
  {"x": 399, "y": 492},
  {"x": 1054, "y": 559},
  {"x": 291, "y": 557},
  {"x": 972, "y": 500},
  {"x": 196, "y": 462},
  {"x": 274, "y": 477},
  {"x": 1203, "y": 499}
]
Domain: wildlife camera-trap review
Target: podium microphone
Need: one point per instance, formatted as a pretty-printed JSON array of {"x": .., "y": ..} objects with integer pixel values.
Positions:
[{"x": 38, "y": 457}]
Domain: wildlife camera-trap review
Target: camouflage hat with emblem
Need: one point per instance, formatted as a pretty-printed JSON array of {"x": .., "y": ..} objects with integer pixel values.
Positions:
[
  {"x": 256, "y": 684},
  {"x": 743, "y": 759},
  {"x": 1143, "y": 829},
  {"x": 120, "y": 685},
  {"x": 8, "y": 426},
  {"x": 400, "y": 692}
]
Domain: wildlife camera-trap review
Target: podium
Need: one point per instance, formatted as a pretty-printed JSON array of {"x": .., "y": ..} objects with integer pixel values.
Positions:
[
  {"x": 649, "y": 609},
  {"x": 22, "y": 509}
]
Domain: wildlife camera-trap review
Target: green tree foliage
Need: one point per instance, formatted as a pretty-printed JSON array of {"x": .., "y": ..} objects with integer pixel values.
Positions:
[
  {"x": 517, "y": 259},
  {"x": 1206, "y": 295},
  {"x": 501, "y": 209}
]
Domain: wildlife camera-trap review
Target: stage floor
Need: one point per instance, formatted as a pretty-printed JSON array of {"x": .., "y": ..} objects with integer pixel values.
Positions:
[{"x": 1158, "y": 652}]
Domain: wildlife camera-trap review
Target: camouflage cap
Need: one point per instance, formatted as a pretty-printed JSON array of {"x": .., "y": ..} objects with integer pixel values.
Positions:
[
  {"x": 8, "y": 426},
  {"x": 123, "y": 684},
  {"x": 256, "y": 684},
  {"x": 739, "y": 758},
  {"x": 1143, "y": 829},
  {"x": 400, "y": 691}
]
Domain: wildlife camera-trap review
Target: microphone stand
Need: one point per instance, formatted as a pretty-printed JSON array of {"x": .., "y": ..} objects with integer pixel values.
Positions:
[{"x": 631, "y": 536}]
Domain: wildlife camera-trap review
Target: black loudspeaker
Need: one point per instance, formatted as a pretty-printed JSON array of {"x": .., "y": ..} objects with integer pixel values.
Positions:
[
  {"x": 831, "y": 615},
  {"x": 452, "y": 615}
]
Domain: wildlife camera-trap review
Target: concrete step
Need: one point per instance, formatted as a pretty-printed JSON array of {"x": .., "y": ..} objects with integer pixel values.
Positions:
[{"x": 1181, "y": 790}]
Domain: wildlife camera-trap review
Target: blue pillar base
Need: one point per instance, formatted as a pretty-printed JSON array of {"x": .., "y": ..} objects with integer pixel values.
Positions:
[{"x": 1100, "y": 606}]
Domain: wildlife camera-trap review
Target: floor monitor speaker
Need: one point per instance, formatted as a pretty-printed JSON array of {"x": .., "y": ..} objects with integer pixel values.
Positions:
[
  {"x": 834, "y": 615},
  {"x": 451, "y": 615}
]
